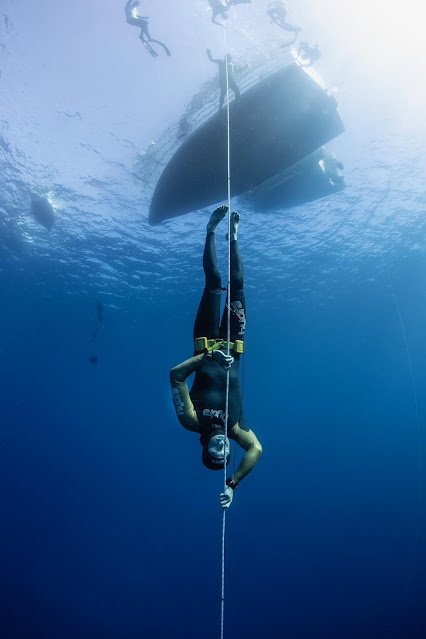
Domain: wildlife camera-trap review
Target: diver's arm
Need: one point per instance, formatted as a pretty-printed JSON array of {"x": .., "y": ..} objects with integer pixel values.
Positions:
[
  {"x": 180, "y": 372},
  {"x": 128, "y": 10},
  {"x": 185, "y": 410},
  {"x": 209, "y": 53},
  {"x": 250, "y": 443}
]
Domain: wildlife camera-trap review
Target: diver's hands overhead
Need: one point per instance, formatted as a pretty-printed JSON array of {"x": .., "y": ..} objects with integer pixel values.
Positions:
[
  {"x": 226, "y": 497},
  {"x": 223, "y": 359}
]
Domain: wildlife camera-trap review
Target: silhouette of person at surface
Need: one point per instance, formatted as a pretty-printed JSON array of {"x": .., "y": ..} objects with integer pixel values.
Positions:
[
  {"x": 133, "y": 18},
  {"x": 93, "y": 359},
  {"x": 307, "y": 54},
  {"x": 277, "y": 11},
  {"x": 221, "y": 9},
  {"x": 222, "y": 77},
  {"x": 332, "y": 168},
  {"x": 218, "y": 9}
]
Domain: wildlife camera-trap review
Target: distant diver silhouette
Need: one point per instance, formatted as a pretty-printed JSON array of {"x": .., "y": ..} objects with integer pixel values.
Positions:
[
  {"x": 43, "y": 211},
  {"x": 218, "y": 9},
  {"x": 93, "y": 359},
  {"x": 221, "y": 9},
  {"x": 222, "y": 77},
  {"x": 133, "y": 18}
]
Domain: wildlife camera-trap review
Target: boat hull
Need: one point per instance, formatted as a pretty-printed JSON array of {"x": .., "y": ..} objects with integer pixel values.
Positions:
[{"x": 281, "y": 120}]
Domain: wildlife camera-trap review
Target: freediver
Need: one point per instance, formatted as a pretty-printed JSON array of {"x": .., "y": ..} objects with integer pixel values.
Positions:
[
  {"x": 202, "y": 410},
  {"x": 218, "y": 9},
  {"x": 309, "y": 55},
  {"x": 222, "y": 77},
  {"x": 133, "y": 18},
  {"x": 221, "y": 9},
  {"x": 277, "y": 11}
]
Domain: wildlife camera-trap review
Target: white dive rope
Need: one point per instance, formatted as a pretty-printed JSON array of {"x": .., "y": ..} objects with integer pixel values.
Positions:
[{"x": 228, "y": 336}]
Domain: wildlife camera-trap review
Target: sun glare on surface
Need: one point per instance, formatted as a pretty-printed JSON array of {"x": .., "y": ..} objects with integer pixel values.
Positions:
[{"x": 382, "y": 40}]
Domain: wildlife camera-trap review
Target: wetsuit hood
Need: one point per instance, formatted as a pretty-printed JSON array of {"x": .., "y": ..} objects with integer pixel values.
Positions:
[{"x": 208, "y": 460}]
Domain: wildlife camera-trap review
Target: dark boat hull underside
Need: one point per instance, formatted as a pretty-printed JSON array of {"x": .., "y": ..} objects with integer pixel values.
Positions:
[
  {"x": 276, "y": 123},
  {"x": 304, "y": 182}
]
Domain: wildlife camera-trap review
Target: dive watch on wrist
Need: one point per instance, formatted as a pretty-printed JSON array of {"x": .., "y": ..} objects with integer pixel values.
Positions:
[{"x": 231, "y": 483}]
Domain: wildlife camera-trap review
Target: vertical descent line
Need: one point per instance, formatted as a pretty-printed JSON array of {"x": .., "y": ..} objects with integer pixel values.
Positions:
[{"x": 228, "y": 336}]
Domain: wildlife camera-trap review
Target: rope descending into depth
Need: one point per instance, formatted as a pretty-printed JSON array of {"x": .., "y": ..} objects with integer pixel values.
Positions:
[{"x": 228, "y": 337}]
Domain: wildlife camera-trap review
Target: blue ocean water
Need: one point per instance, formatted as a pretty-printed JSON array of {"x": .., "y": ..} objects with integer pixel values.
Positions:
[{"x": 111, "y": 526}]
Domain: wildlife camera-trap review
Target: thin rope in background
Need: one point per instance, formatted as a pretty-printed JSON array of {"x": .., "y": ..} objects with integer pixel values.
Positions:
[
  {"x": 416, "y": 405},
  {"x": 228, "y": 336}
]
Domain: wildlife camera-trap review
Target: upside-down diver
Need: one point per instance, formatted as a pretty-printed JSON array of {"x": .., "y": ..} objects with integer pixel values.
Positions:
[
  {"x": 203, "y": 409},
  {"x": 133, "y": 18}
]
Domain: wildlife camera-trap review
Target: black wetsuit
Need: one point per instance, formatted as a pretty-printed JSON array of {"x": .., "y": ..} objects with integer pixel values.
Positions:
[
  {"x": 222, "y": 79},
  {"x": 208, "y": 392}
]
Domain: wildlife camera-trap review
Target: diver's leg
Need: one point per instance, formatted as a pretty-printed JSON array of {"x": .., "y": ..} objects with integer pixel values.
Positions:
[
  {"x": 238, "y": 300},
  {"x": 208, "y": 315},
  {"x": 288, "y": 27},
  {"x": 222, "y": 97},
  {"x": 234, "y": 87},
  {"x": 290, "y": 42},
  {"x": 166, "y": 49},
  {"x": 148, "y": 46},
  {"x": 135, "y": 22}
]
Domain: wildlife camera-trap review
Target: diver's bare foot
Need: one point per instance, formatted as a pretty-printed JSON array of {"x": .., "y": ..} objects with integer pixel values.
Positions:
[
  {"x": 216, "y": 217},
  {"x": 235, "y": 218}
]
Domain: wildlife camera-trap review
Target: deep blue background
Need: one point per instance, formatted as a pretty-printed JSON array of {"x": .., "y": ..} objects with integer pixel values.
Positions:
[{"x": 111, "y": 527}]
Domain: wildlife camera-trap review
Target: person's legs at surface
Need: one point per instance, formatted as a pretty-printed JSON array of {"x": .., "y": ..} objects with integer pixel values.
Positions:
[
  {"x": 166, "y": 49},
  {"x": 208, "y": 315},
  {"x": 222, "y": 97}
]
